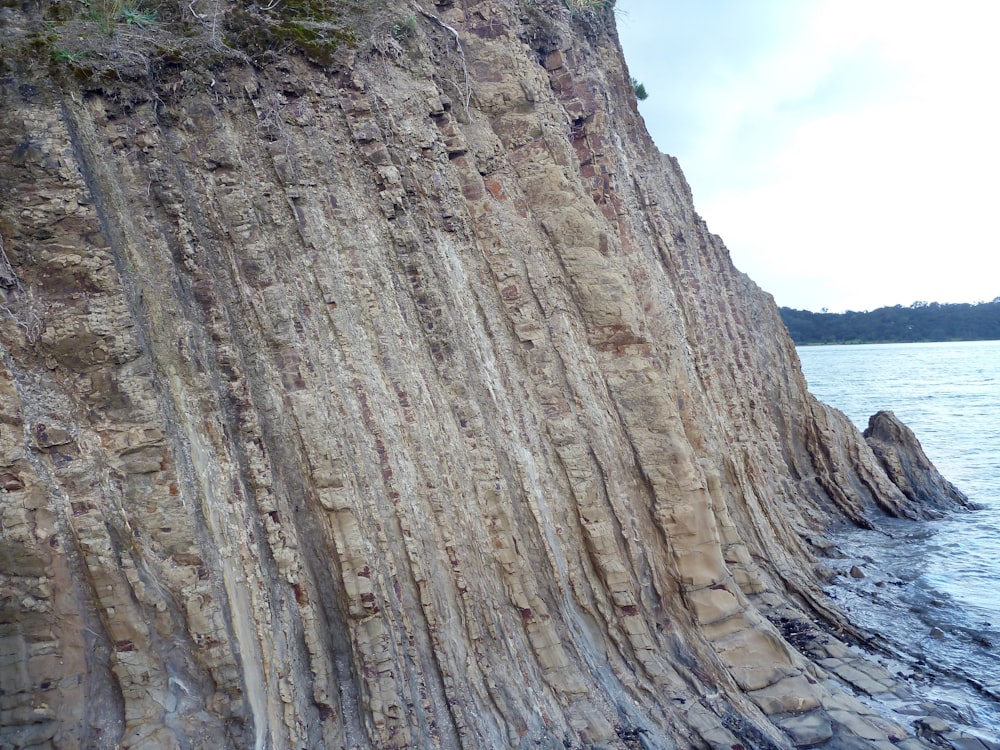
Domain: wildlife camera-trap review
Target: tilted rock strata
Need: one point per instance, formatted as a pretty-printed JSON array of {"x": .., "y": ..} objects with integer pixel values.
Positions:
[
  {"x": 906, "y": 464},
  {"x": 405, "y": 402}
]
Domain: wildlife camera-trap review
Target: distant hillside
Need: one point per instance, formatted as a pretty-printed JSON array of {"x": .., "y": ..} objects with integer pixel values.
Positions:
[{"x": 921, "y": 321}]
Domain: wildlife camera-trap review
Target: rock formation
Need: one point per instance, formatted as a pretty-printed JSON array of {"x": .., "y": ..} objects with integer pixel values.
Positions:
[
  {"x": 397, "y": 396},
  {"x": 906, "y": 464}
]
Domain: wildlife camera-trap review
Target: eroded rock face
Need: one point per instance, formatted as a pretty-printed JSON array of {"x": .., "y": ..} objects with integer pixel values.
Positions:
[
  {"x": 402, "y": 402},
  {"x": 906, "y": 464}
]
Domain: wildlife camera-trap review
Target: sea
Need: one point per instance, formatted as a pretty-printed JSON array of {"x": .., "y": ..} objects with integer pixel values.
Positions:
[{"x": 931, "y": 588}]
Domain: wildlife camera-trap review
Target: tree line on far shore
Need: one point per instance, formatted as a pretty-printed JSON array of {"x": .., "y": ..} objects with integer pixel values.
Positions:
[{"x": 921, "y": 321}]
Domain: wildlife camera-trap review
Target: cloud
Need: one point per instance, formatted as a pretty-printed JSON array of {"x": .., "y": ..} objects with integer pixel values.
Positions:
[{"x": 845, "y": 151}]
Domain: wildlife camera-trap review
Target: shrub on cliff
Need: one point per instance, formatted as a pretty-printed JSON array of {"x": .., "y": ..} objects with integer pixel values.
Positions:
[{"x": 640, "y": 90}]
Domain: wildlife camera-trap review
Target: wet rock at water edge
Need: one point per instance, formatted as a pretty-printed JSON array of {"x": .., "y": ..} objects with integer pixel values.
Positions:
[
  {"x": 931, "y": 725},
  {"x": 906, "y": 464}
]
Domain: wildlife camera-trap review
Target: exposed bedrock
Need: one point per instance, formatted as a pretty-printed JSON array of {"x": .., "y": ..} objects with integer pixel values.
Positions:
[
  {"x": 402, "y": 401},
  {"x": 904, "y": 461}
]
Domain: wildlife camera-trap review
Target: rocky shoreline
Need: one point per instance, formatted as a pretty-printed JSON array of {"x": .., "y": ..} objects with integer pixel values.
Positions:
[
  {"x": 963, "y": 705},
  {"x": 893, "y": 686},
  {"x": 393, "y": 394}
]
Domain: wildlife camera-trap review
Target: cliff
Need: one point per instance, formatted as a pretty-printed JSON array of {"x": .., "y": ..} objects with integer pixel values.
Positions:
[{"x": 394, "y": 395}]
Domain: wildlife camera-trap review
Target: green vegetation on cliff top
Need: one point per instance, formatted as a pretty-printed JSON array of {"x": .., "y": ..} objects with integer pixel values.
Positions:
[
  {"x": 108, "y": 42},
  {"x": 921, "y": 321}
]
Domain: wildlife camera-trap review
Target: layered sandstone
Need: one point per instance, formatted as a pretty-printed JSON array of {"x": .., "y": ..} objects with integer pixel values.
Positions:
[
  {"x": 402, "y": 401},
  {"x": 906, "y": 464}
]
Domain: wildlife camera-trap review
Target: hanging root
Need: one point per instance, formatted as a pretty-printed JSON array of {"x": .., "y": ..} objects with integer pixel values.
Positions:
[
  {"x": 30, "y": 321},
  {"x": 467, "y": 94}
]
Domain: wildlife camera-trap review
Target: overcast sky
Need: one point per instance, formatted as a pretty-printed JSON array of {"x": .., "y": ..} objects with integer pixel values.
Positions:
[{"x": 847, "y": 151}]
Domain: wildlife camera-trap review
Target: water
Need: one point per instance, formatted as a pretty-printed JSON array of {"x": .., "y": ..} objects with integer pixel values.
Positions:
[{"x": 933, "y": 588}]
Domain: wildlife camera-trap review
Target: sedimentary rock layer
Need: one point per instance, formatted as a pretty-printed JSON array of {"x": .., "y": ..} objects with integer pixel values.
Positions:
[
  {"x": 401, "y": 401},
  {"x": 906, "y": 464}
]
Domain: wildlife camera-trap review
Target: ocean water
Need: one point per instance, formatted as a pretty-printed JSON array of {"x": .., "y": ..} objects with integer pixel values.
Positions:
[{"x": 931, "y": 588}]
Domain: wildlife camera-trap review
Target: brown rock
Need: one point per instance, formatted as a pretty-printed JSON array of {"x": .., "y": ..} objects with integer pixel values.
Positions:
[
  {"x": 10, "y": 482},
  {"x": 401, "y": 400},
  {"x": 906, "y": 464},
  {"x": 51, "y": 436}
]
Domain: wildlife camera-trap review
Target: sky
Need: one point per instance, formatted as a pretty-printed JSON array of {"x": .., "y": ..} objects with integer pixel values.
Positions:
[{"x": 846, "y": 151}]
